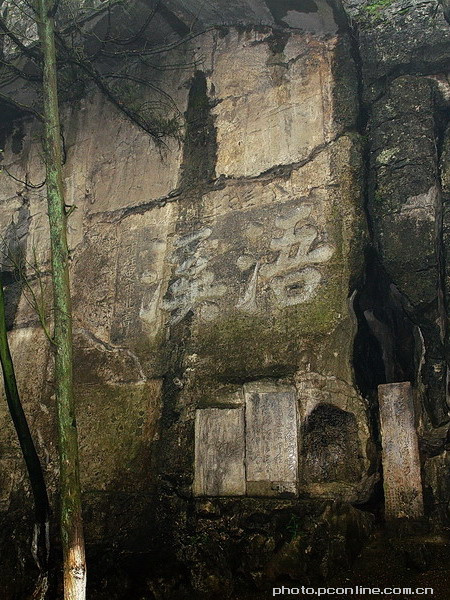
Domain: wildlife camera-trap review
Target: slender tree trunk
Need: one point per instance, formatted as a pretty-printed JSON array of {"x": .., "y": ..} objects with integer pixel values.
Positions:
[
  {"x": 40, "y": 548},
  {"x": 71, "y": 519}
]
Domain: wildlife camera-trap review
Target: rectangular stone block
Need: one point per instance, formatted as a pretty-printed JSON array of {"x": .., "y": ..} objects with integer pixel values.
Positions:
[
  {"x": 271, "y": 440},
  {"x": 219, "y": 452},
  {"x": 401, "y": 460}
]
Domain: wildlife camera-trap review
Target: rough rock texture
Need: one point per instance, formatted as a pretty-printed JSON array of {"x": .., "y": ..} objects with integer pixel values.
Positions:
[
  {"x": 402, "y": 51},
  {"x": 297, "y": 237}
]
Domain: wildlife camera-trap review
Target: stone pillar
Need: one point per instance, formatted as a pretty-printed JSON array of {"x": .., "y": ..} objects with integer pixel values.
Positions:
[{"x": 401, "y": 460}]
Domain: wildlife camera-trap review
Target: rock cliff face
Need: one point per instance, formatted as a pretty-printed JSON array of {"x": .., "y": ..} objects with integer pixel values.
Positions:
[{"x": 295, "y": 243}]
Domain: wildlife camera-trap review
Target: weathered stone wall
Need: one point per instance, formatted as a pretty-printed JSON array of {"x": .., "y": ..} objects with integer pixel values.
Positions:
[
  {"x": 403, "y": 52},
  {"x": 235, "y": 261}
]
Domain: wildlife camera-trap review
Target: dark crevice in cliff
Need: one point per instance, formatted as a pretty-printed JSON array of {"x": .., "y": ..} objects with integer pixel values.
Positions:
[
  {"x": 362, "y": 116},
  {"x": 384, "y": 350},
  {"x": 398, "y": 340},
  {"x": 355, "y": 53},
  {"x": 370, "y": 355},
  {"x": 442, "y": 121},
  {"x": 440, "y": 257}
]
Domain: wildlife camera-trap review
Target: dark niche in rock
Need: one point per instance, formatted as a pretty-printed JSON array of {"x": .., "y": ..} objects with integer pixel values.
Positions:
[{"x": 330, "y": 442}]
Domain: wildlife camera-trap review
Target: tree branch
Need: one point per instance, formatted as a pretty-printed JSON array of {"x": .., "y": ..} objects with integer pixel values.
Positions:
[
  {"x": 30, "y": 52},
  {"x": 96, "y": 77},
  {"x": 158, "y": 49},
  {"x": 145, "y": 82},
  {"x": 21, "y": 107},
  {"x": 19, "y": 72},
  {"x": 138, "y": 34},
  {"x": 25, "y": 183},
  {"x": 54, "y": 9}
]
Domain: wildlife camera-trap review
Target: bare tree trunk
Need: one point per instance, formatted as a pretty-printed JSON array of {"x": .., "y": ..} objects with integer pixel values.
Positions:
[
  {"x": 40, "y": 547},
  {"x": 71, "y": 518}
]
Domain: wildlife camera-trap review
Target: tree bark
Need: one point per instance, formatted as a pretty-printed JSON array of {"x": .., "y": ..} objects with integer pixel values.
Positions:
[
  {"x": 71, "y": 519},
  {"x": 40, "y": 548}
]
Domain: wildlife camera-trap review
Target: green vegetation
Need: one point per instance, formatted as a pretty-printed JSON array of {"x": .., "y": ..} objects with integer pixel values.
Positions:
[{"x": 375, "y": 8}]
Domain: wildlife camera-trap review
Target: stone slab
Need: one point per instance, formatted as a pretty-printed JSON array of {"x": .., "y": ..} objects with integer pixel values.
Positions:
[
  {"x": 401, "y": 460},
  {"x": 271, "y": 440},
  {"x": 219, "y": 452}
]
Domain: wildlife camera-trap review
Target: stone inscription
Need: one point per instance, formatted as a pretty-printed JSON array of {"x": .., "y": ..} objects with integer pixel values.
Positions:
[
  {"x": 250, "y": 450},
  {"x": 194, "y": 281},
  {"x": 271, "y": 441},
  {"x": 401, "y": 461},
  {"x": 282, "y": 260},
  {"x": 289, "y": 267},
  {"x": 219, "y": 452}
]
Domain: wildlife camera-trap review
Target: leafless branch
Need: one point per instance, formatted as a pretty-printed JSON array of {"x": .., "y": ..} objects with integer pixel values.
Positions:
[
  {"x": 155, "y": 50},
  {"x": 25, "y": 183},
  {"x": 99, "y": 81},
  {"x": 32, "y": 53},
  {"x": 135, "y": 37},
  {"x": 21, "y": 266},
  {"x": 19, "y": 106},
  {"x": 144, "y": 82},
  {"x": 54, "y": 8},
  {"x": 19, "y": 72}
]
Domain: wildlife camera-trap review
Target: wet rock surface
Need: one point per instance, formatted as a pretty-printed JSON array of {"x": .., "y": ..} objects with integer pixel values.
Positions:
[{"x": 299, "y": 236}]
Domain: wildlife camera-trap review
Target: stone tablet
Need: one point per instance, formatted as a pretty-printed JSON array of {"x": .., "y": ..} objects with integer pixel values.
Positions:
[
  {"x": 271, "y": 440},
  {"x": 219, "y": 452},
  {"x": 401, "y": 461}
]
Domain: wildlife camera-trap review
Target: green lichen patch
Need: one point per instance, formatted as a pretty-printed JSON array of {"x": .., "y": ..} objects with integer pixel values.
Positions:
[
  {"x": 116, "y": 428},
  {"x": 377, "y": 6},
  {"x": 238, "y": 346}
]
